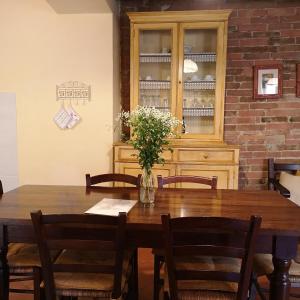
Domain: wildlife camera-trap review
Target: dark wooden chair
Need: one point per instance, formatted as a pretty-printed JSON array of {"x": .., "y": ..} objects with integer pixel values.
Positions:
[
  {"x": 22, "y": 260},
  {"x": 212, "y": 182},
  {"x": 274, "y": 169},
  {"x": 159, "y": 253},
  {"x": 263, "y": 265},
  {"x": 94, "y": 262},
  {"x": 112, "y": 177},
  {"x": 193, "y": 243}
]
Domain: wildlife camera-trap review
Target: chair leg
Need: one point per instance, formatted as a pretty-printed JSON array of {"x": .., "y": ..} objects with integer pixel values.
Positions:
[
  {"x": 157, "y": 282},
  {"x": 37, "y": 278},
  {"x": 166, "y": 296},
  {"x": 252, "y": 288},
  {"x": 136, "y": 275}
]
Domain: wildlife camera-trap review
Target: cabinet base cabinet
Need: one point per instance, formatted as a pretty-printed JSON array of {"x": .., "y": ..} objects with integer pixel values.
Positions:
[{"x": 219, "y": 160}]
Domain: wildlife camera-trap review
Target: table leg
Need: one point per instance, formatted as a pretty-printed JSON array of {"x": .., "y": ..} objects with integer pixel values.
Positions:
[
  {"x": 284, "y": 249},
  {"x": 4, "y": 273}
]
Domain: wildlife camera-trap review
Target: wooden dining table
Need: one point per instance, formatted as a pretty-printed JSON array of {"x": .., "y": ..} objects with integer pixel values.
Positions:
[{"x": 279, "y": 234}]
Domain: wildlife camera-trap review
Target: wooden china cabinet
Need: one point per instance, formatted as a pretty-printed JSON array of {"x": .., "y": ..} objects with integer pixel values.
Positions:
[{"x": 178, "y": 64}]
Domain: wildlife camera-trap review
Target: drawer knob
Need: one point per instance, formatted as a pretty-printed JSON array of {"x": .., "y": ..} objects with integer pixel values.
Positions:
[{"x": 205, "y": 156}]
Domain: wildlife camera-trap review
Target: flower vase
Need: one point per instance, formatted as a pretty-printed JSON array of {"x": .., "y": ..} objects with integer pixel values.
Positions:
[{"x": 147, "y": 188}]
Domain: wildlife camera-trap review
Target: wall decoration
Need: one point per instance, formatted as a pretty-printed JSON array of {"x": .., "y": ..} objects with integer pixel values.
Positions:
[
  {"x": 67, "y": 117},
  {"x": 73, "y": 90},
  {"x": 267, "y": 81},
  {"x": 298, "y": 80}
]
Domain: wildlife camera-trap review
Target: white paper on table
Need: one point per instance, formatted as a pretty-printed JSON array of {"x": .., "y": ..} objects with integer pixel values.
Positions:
[{"x": 111, "y": 207}]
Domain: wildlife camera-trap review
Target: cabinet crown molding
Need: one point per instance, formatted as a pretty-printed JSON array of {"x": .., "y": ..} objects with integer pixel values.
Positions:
[{"x": 179, "y": 16}]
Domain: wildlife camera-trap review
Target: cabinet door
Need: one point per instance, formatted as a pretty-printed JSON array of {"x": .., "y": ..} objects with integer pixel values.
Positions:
[
  {"x": 134, "y": 169},
  {"x": 227, "y": 175},
  {"x": 202, "y": 55},
  {"x": 154, "y": 66}
]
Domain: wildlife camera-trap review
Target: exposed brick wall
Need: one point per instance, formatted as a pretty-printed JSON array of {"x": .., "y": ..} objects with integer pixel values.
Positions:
[{"x": 260, "y": 32}]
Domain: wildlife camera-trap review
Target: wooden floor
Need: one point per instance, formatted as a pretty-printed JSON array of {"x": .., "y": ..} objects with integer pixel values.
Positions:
[{"x": 145, "y": 278}]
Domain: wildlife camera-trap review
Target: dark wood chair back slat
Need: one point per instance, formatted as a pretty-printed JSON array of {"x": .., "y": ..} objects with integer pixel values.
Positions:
[
  {"x": 63, "y": 232},
  {"x": 212, "y": 182},
  {"x": 187, "y": 243},
  {"x": 274, "y": 169},
  {"x": 112, "y": 177}
]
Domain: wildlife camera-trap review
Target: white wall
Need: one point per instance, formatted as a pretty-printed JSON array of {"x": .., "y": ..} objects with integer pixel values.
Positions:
[
  {"x": 40, "y": 49},
  {"x": 8, "y": 142}
]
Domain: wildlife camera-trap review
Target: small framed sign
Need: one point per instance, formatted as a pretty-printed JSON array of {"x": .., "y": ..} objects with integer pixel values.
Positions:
[
  {"x": 267, "y": 81},
  {"x": 298, "y": 80}
]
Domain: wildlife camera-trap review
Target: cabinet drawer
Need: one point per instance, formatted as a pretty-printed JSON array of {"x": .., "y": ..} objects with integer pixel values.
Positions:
[
  {"x": 227, "y": 176},
  {"x": 203, "y": 155},
  {"x": 129, "y": 154}
]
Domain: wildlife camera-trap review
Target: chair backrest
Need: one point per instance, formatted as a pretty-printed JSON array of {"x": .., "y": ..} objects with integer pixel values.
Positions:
[
  {"x": 84, "y": 233},
  {"x": 212, "y": 182},
  {"x": 210, "y": 236},
  {"x": 112, "y": 177},
  {"x": 274, "y": 169},
  {"x": 1, "y": 188}
]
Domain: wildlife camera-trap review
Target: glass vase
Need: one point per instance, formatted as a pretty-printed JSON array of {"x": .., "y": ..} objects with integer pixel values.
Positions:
[{"x": 147, "y": 188}]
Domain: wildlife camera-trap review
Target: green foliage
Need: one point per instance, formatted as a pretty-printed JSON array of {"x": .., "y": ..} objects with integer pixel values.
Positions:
[{"x": 150, "y": 130}]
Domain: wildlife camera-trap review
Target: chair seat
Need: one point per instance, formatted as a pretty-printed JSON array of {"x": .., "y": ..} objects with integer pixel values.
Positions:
[
  {"x": 263, "y": 265},
  {"x": 205, "y": 295},
  {"x": 22, "y": 257},
  {"x": 89, "y": 284},
  {"x": 209, "y": 264}
]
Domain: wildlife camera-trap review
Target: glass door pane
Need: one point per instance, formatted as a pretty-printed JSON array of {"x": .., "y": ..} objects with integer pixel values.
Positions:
[
  {"x": 199, "y": 81},
  {"x": 155, "y": 58}
]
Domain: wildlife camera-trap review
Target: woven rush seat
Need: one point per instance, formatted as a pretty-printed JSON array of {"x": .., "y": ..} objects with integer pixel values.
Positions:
[
  {"x": 22, "y": 257},
  {"x": 205, "y": 295},
  {"x": 209, "y": 264},
  {"x": 89, "y": 284}
]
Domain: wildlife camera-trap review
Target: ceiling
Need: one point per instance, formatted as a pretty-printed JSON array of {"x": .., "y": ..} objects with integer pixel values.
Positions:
[{"x": 83, "y": 6}]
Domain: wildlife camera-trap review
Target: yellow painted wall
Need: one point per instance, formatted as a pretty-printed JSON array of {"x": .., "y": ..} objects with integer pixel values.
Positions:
[{"x": 38, "y": 50}]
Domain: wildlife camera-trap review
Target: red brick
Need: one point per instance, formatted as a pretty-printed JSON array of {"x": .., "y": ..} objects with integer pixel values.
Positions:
[
  {"x": 290, "y": 32},
  {"x": 288, "y": 11},
  {"x": 259, "y": 55},
  {"x": 233, "y": 42},
  {"x": 253, "y": 127},
  {"x": 278, "y": 26},
  {"x": 239, "y": 92},
  {"x": 254, "y": 42},
  {"x": 265, "y": 19},
  {"x": 239, "y": 21},
  {"x": 246, "y": 85},
  {"x": 232, "y": 85},
  {"x": 231, "y": 99},
  {"x": 255, "y": 27},
  {"x": 263, "y": 105},
  {"x": 251, "y": 12},
  {"x": 253, "y": 112},
  {"x": 234, "y": 56}
]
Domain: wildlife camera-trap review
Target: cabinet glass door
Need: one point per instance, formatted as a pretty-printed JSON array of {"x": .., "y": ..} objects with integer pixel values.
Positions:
[
  {"x": 197, "y": 78},
  {"x": 156, "y": 73}
]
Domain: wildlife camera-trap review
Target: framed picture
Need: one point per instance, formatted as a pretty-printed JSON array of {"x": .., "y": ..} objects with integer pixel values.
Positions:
[
  {"x": 298, "y": 80},
  {"x": 267, "y": 81}
]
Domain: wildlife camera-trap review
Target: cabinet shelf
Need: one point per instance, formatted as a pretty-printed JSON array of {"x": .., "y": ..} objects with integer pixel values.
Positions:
[
  {"x": 166, "y": 57},
  {"x": 188, "y": 85},
  {"x": 198, "y": 112}
]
